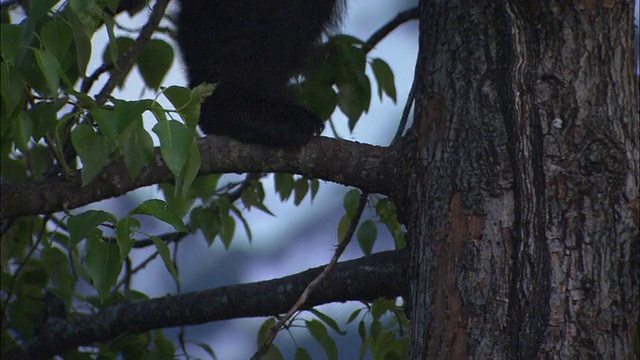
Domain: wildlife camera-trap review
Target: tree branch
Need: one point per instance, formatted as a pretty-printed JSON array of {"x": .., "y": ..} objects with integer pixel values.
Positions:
[
  {"x": 309, "y": 289},
  {"x": 127, "y": 59},
  {"x": 371, "y": 168},
  {"x": 366, "y": 279},
  {"x": 401, "y": 18}
]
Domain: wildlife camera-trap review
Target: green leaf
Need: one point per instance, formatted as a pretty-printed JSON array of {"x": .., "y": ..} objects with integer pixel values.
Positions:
[
  {"x": 108, "y": 123},
  {"x": 11, "y": 88},
  {"x": 205, "y": 186},
  {"x": 227, "y": 229},
  {"x": 206, "y": 219},
  {"x": 92, "y": 149},
  {"x": 354, "y": 99},
  {"x": 41, "y": 160},
  {"x": 190, "y": 170},
  {"x": 179, "y": 96},
  {"x": 86, "y": 225},
  {"x": 315, "y": 186},
  {"x": 206, "y": 348},
  {"x": 30, "y": 71},
  {"x": 129, "y": 113},
  {"x": 39, "y": 9},
  {"x": 25, "y": 313},
  {"x": 50, "y": 68},
  {"x": 57, "y": 37},
  {"x": 264, "y": 334},
  {"x": 272, "y": 354},
  {"x": 350, "y": 202},
  {"x": 362, "y": 330},
  {"x": 165, "y": 254},
  {"x": 164, "y": 348},
  {"x": 201, "y": 92},
  {"x": 22, "y": 130},
  {"x": 44, "y": 116},
  {"x": 124, "y": 234},
  {"x": 245, "y": 224},
  {"x": 384, "y": 76},
  {"x": 353, "y": 315},
  {"x": 154, "y": 62},
  {"x": 178, "y": 204},
  {"x": 319, "y": 332},
  {"x": 321, "y": 98},
  {"x": 250, "y": 196},
  {"x": 367, "y": 234},
  {"x": 387, "y": 212},
  {"x": 137, "y": 146},
  {"x": 381, "y": 306},
  {"x": 57, "y": 264},
  {"x": 302, "y": 354},
  {"x": 160, "y": 210},
  {"x": 83, "y": 50},
  {"x": 33, "y": 274},
  {"x": 79, "y": 267},
  {"x": 301, "y": 187},
  {"x": 10, "y": 41},
  {"x": 103, "y": 264},
  {"x": 175, "y": 143},
  {"x": 186, "y": 102},
  {"x": 284, "y": 185},
  {"x": 329, "y": 321},
  {"x": 83, "y": 100},
  {"x": 343, "y": 227},
  {"x": 115, "y": 49},
  {"x": 375, "y": 329}
]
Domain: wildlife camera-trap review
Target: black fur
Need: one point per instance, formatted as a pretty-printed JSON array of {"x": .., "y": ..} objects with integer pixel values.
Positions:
[{"x": 252, "y": 48}]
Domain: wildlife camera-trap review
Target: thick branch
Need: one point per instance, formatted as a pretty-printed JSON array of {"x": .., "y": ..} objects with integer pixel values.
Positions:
[
  {"x": 371, "y": 168},
  {"x": 366, "y": 279}
]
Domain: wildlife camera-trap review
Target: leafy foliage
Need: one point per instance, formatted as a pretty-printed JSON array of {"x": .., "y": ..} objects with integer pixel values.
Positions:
[
  {"x": 53, "y": 125},
  {"x": 382, "y": 327}
]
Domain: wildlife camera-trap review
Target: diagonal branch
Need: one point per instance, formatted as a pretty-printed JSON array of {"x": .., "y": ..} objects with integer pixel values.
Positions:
[
  {"x": 401, "y": 18},
  {"x": 371, "y": 168},
  {"x": 126, "y": 60},
  {"x": 313, "y": 285},
  {"x": 364, "y": 279}
]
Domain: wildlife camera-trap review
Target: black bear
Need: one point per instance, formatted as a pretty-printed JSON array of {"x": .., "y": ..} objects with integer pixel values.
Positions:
[{"x": 251, "y": 49}]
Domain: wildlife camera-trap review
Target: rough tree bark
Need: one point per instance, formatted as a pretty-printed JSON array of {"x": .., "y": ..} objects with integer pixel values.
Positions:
[{"x": 524, "y": 228}]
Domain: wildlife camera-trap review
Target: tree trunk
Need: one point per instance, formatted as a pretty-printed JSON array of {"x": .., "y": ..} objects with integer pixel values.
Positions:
[{"x": 524, "y": 229}]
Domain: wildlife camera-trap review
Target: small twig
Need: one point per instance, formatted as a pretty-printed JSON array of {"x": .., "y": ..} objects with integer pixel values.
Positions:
[
  {"x": 58, "y": 155},
  {"x": 236, "y": 194},
  {"x": 168, "y": 238},
  {"x": 87, "y": 83},
  {"x": 141, "y": 266},
  {"x": 332, "y": 125},
  {"x": 405, "y": 113},
  {"x": 127, "y": 273},
  {"x": 313, "y": 284}
]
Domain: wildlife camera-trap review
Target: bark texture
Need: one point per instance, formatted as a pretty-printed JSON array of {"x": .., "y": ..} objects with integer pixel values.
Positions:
[{"x": 525, "y": 233}]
